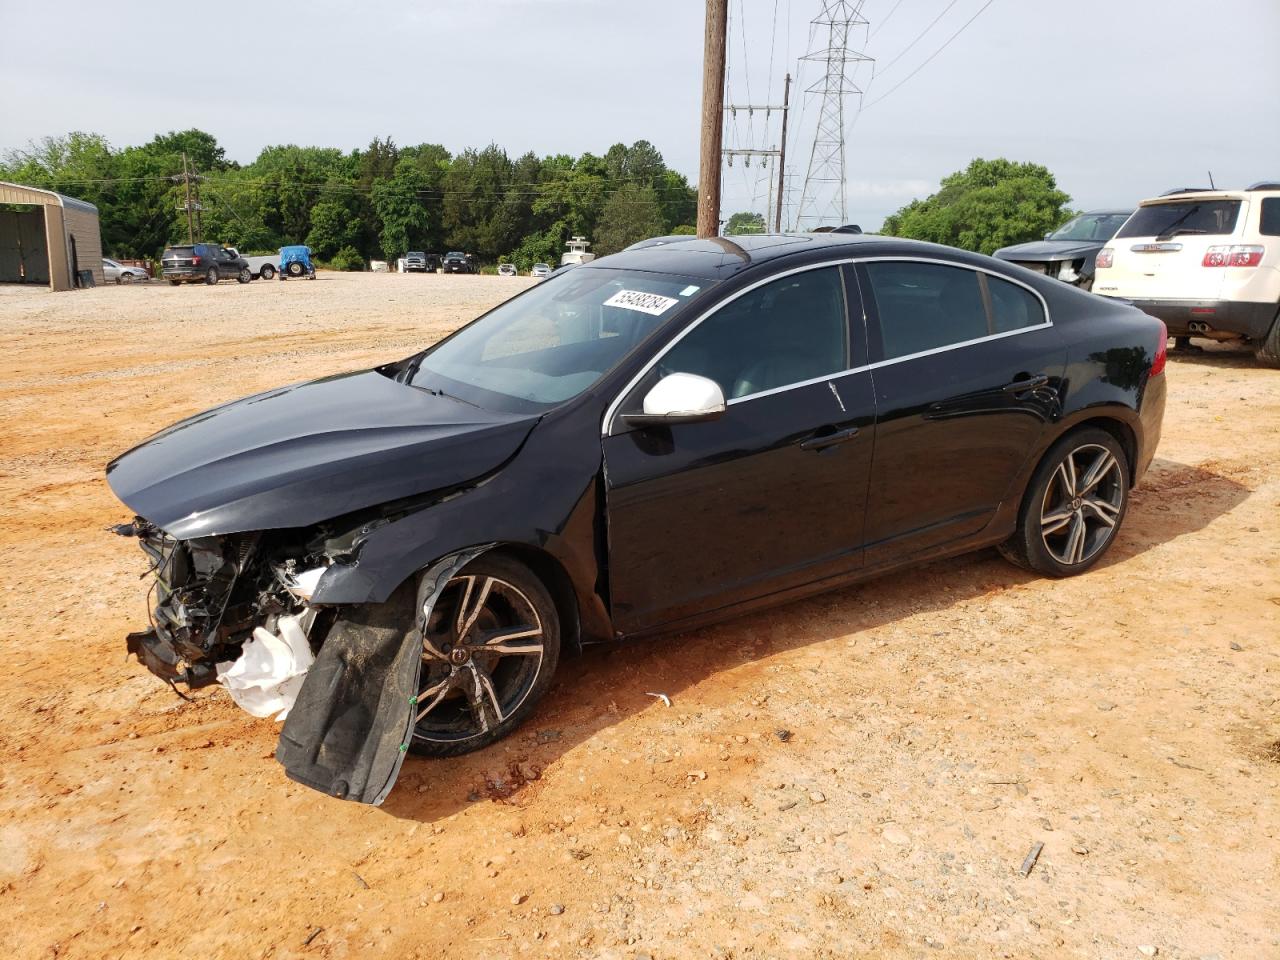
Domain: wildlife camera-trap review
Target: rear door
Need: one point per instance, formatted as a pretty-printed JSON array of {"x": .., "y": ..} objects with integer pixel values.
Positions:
[
  {"x": 1159, "y": 252},
  {"x": 769, "y": 496},
  {"x": 967, "y": 370}
]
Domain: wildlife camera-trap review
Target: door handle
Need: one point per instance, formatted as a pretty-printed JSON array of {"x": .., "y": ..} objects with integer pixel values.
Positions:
[
  {"x": 824, "y": 440},
  {"x": 1026, "y": 384}
]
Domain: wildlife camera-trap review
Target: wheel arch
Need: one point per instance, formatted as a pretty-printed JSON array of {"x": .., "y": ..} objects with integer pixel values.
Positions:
[
  {"x": 1118, "y": 428},
  {"x": 556, "y": 579}
]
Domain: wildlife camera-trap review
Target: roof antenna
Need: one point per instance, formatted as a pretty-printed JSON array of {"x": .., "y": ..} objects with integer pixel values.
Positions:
[{"x": 1212, "y": 186}]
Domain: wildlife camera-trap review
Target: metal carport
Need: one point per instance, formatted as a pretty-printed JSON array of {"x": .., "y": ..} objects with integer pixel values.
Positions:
[{"x": 50, "y": 243}]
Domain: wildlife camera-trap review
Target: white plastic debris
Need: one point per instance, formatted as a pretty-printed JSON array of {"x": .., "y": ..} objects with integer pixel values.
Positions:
[
  {"x": 660, "y": 696},
  {"x": 266, "y": 678}
]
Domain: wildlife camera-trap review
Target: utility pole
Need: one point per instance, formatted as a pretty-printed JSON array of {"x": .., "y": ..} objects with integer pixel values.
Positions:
[
  {"x": 782, "y": 154},
  {"x": 712, "y": 118},
  {"x": 186, "y": 179}
]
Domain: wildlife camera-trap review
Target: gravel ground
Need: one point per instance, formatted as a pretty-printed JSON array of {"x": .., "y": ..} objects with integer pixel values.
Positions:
[{"x": 861, "y": 774}]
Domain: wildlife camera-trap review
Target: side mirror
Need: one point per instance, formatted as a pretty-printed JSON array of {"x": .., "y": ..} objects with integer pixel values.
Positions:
[{"x": 680, "y": 398}]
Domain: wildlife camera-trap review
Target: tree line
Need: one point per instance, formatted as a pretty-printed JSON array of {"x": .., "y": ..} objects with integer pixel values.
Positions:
[
  {"x": 372, "y": 204},
  {"x": 380, "y": 202}
]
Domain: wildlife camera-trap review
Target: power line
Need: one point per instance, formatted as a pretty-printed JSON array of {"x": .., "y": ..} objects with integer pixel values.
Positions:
[
  {"x": 962, "y": 29},
  {"x": 892, "y": 11},
  {"x": 920, "y": 36}
]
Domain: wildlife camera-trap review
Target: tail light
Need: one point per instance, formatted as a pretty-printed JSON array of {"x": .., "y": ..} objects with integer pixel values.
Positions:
[
  {"x": 195, "y": 260},
  {"x": 1162, "y": 351},
  {"x": 1106, "y": 258},
  {"x": 1233, "y": 256}
]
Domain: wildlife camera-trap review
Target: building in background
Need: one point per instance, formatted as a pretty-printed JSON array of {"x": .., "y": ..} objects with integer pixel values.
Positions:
[{"x": 46, "y": 238}]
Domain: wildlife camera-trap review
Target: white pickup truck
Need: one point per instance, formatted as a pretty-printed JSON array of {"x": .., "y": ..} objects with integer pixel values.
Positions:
[{"x": 265, "y": 267}]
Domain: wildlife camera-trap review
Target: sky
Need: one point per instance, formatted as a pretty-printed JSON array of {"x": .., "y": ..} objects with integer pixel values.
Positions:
[{"x": 1121, "y": 99}]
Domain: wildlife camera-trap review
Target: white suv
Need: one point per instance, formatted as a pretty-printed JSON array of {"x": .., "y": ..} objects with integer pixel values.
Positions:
[{"x": 1206, "y": 262}]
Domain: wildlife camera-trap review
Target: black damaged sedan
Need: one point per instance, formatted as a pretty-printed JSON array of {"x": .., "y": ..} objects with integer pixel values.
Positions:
[{"x": 396, "y": 559}]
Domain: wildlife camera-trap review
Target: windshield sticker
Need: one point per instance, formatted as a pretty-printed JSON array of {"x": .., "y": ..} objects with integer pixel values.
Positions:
[
  {"x": 650, "y": 303},
  {"x": 689, "y": 291}
]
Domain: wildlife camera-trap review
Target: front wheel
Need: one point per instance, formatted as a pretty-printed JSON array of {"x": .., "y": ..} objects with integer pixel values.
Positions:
[
  {"x": 489, "y": 655},
  {"x": 212, "y": 276},
  {"x": 1073, "y": 507},
  {"x": 267, "y": 272}
]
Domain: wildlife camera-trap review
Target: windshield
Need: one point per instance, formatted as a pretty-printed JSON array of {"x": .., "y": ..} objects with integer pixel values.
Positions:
[
  {"x": 1090, "y": 226},
  {"x": 455, "y": 255},
  {"x": 551, "y": 343},
  {"x": 1213, "y": 217},
  {"x": 416, "y": 254}
]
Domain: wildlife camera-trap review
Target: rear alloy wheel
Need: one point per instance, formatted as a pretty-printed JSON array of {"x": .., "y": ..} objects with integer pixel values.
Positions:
[
  {"x": 212, "y": 276},
  {"x": 489, "y": 654},
  {"x": 267, "y": 272},
  {"x": 1073, "y": 507},
  {"x": 245, "y": 275}
]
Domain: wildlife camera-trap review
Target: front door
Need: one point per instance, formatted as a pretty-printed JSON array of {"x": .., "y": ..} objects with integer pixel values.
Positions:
[
  {"x": 770, "y": 496},
  {"x": 967, "y": 374}
]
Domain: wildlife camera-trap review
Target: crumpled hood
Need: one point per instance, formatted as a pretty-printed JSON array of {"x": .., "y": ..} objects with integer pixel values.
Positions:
[
  {"x": 1045, "y": 250},
  {"x": 305, "y": 453}
]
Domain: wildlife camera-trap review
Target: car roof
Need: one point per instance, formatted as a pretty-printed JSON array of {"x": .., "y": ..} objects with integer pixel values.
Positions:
[{"x": 718, "y": 258}]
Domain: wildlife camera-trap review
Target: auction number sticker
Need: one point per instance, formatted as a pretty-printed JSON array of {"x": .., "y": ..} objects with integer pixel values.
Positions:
[{"x": 650, "y": 303}]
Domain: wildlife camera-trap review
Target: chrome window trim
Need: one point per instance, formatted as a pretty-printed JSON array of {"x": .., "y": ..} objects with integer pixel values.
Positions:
[{"x": 612, "y": 410}]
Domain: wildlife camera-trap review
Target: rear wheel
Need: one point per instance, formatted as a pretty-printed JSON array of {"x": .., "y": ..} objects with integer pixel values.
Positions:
[
  {"x": 1073, "y": 507},
  {"x": 212, "y": 276},
  {"x": 1268, "y": 352},
  {"x": 489, "y": 655},
  {"x": 175, "y": 283},
  {"x": 268, "y": 272}
]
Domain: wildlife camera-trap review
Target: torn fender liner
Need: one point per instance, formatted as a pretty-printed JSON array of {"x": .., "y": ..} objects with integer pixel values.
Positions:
[{"x": 349, "y": 731}]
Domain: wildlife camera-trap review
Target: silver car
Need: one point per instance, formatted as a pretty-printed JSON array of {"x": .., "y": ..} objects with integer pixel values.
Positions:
[
  {"x": 507, "y": 270},
  {"x": 541, "y": 271},
  {"x": 119, "y": 273}
]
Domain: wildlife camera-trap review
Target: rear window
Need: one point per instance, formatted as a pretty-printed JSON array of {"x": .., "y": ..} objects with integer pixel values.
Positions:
[
  {"x": 1207, "y": 217},
  {"x": 1269, "y": 225},
  {"x": 179, "y": 251}
]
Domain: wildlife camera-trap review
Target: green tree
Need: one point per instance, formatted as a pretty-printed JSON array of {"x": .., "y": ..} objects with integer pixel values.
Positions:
[
  {"x": 744, "y": 222},
  {"x": 400, "y": 206},
  {"x": 630, "y": 215},
  {"x": 988, "y": 205},
  {"x": 334, "y": 226}
]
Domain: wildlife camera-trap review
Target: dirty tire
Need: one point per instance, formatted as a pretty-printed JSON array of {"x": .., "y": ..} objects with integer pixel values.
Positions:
[
  {"x": 212, "y": 276},
  {"x": 1044, "y": 540},
  {"x": 244, "y": 276},
  {"x": 175, "y": 283},
  {"x": 295, "y": 269},
  {"x": 267, "y": 272},
  {"x": 516, "y": 681},
  {"x": 1268, "y": 352}
]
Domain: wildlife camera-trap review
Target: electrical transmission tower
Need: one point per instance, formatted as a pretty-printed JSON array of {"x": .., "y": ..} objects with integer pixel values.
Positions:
[{"x": 823, "y": 197}]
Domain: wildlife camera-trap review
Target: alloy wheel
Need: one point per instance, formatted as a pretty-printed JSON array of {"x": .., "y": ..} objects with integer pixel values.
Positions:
[
  {"x": 482, "y": 652},
  {"x": 1082, "y": 503}
]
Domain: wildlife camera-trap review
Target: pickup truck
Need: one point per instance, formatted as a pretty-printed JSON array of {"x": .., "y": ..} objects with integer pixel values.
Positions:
[{"x": 264, "y": 267}]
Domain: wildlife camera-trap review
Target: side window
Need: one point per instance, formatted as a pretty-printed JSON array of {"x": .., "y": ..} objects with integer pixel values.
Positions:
[
  {"x": 785, "y": 332},
  {"x": 1012, "y": 307},
  {"x": 1269, "y": 224},
  {"x": 923, "y": 306}
]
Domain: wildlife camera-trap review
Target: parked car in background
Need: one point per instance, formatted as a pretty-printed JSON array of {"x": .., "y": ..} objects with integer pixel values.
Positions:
[
  {"x": 1068, "y": 253},
  {"x": 456, "y": 262},
  {"x": 295, "y": 261},
  {"x": 415, "y": 261},
  {"x": 541, "y": 271},
  {"x": 1206, "y": 262},
  {"x": 119, "y": 273},
  {"x": 202, "y": 262},
  {"x": 508, "y": 270},
  {"x": 748, "y": 429},
  {"x": 260, "y": 266}
]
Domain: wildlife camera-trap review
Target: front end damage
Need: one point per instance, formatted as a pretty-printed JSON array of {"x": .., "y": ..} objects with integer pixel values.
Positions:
[{"x": 236, "y": 610}]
